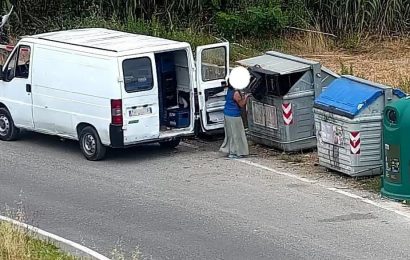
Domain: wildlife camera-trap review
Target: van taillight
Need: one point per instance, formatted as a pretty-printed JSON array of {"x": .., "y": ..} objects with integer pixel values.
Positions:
[{"x": 116, "y": 111}]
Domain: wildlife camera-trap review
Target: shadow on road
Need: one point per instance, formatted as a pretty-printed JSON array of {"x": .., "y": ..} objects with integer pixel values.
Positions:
[{"x": 132, "y": 154}]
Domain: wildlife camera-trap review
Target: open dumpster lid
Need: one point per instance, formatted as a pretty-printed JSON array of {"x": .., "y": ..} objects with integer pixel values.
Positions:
[
  {"x": 277, "y": 63},
  {"x": 347, "y": 97}
]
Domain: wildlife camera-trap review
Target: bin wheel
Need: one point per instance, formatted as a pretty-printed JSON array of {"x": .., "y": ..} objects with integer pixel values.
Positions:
[
  {"x": 171, "y": 144},
  {"x": 8, "y": 131},
  {"x": 90, "y": 144}
]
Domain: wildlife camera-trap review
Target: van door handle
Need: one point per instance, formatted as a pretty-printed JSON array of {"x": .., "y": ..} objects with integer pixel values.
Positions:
[{"x": 28, "y": 88}]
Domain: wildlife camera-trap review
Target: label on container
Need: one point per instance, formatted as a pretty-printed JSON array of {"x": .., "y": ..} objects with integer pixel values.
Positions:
[
  {"x": 392, "y": 163},
  {"x": 331, "y": 134}
]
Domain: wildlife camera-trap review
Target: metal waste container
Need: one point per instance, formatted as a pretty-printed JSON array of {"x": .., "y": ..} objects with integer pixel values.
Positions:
[
  {"x": 348, "y": 119},
  {"x": 396, "y": 150},
  {"x": 280, "y": 112}
]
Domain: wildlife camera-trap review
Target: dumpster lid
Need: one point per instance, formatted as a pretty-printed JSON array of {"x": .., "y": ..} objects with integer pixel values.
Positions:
[
  {"x": 347, "y": 97},
  {"x": 277, "y": 63}
]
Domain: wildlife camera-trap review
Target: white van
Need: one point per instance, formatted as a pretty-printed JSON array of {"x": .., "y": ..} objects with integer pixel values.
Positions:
[{"x": 111, "y": 89}]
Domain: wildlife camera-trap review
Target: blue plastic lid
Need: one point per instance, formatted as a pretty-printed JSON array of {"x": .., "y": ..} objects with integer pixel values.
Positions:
[{"x": 347, "y": 97}]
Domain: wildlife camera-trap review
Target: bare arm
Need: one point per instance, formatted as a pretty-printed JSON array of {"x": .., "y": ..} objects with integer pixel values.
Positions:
[{"x": 240, "y": 99}]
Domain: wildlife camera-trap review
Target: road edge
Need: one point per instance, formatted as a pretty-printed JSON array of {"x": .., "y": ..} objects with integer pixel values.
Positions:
[
  {"x": 385, "y": 204},
  {"x": 64, "y": 244}
]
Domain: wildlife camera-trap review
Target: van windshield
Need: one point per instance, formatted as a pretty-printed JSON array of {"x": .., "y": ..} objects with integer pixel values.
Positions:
[{"x": 137, "y": 74}]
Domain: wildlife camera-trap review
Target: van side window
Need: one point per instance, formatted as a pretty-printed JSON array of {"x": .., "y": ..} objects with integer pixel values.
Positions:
[
  {"x": 137, "y": 74},
  {"x": 19, "y": 65}
]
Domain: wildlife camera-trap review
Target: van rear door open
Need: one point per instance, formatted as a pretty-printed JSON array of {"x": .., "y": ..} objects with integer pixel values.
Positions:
[
  {"x": 139, "y": 104},
  {"x": 212, "y": 63}
]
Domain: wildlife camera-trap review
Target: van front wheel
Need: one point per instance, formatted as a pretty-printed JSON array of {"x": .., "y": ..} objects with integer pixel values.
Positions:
[
  {"x": 90, "y": 144},
  {"x": 8, "y": 131},
  {"x": 170, "y": 144}
]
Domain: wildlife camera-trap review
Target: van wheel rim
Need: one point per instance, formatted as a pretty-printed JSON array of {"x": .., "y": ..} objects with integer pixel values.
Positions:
[
  {"x": 4, "y": 125},
  {"x": 89, "y": 144}
]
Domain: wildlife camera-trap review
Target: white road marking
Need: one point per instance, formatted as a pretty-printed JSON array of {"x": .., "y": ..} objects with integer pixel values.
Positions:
[
  {"x": 54, "y": 237},
  {"x": 391, "y": 206},
  {"x": 386, "y": 205},
  {"x": 294, "y": 176}
]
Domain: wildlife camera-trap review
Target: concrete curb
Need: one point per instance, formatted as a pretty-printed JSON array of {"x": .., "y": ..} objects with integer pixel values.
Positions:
[{"x": 64, "y": 244}]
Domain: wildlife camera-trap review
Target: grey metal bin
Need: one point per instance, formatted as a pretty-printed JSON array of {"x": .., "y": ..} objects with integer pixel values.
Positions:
[
  {"x": 280, "y": 113},
  {"x": 348, "y": 118}
]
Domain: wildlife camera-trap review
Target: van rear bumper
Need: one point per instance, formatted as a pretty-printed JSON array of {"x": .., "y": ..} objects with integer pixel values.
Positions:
[{"x": 116, "y": 136}]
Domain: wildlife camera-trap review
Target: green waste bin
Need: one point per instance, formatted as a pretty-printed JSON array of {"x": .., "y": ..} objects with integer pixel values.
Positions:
[{"x": 396, "y": 150}]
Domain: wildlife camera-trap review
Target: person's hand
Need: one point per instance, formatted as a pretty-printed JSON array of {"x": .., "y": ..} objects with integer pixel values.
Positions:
[{"x": 247, "y": 96}]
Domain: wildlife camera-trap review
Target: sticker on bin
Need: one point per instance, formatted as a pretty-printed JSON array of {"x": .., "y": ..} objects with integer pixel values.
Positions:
[
  {"x": 258, "y": 113},
  {"x": 287, "y": 113},
  {"x": 355, "y": 142},
  {"x": 271, "y": 117},
  {"x": 139, "y": 111},
  {"x": 331, "y": 134}
]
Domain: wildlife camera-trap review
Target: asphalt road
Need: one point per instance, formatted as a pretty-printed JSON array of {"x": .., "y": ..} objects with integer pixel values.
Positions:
[{"x": 189, "y": 204}]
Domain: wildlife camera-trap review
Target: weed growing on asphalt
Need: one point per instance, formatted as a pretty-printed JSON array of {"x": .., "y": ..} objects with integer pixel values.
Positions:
[{"x": 118, "y": 254}]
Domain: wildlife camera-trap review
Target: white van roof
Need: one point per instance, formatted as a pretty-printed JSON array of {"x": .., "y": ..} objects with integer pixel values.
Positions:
[{"x": 109, "y": 41}]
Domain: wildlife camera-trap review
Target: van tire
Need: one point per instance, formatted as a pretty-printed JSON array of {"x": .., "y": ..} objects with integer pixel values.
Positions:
[
  {"x": 8, "y": 131},
  {"x": 171, "y": 144},
  {"x": 90, "y": 144}
]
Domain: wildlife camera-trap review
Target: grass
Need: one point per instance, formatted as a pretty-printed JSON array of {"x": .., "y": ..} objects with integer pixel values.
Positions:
[
  {"x": 292, "y": 157},
  {"x": 17, "y": 244},
  {"x": 370, "y": 183},
  {"x": 405, "y": 83},
  {"x": 385, "y": 62}
]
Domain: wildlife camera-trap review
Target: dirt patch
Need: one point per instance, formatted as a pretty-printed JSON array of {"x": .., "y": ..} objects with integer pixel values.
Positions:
[
  {"x": 386, "y": 63},
  {"x": 307, "y": 165}
]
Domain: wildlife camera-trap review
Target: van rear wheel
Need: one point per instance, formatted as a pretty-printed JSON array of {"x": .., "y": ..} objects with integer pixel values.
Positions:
[
  {"x": 8, "y": 131},
  {"x": 90, "y": 144},
  {"x": 170, "y": 144}
]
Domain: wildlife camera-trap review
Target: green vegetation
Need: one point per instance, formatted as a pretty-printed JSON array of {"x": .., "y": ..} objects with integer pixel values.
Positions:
[
  {"x": 370, "y": 183},
  {"x": 252, "y": 26},
  {"x": 344, "y": 70},
  {"x": 17, "y": 244},
  {"x": 355, "y": 19},
  {"x": 405, "y": 83}
]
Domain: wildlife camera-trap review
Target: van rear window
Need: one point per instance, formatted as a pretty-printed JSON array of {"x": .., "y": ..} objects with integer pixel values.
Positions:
[{"x": 137, "y": 74}]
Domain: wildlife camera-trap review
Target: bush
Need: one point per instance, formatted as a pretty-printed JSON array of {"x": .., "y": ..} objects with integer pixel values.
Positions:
[{"x": 255, "y": 21}]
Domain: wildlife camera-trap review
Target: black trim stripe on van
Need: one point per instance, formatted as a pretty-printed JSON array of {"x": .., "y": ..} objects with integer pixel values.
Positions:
[{"x": 79, "y": 45}]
